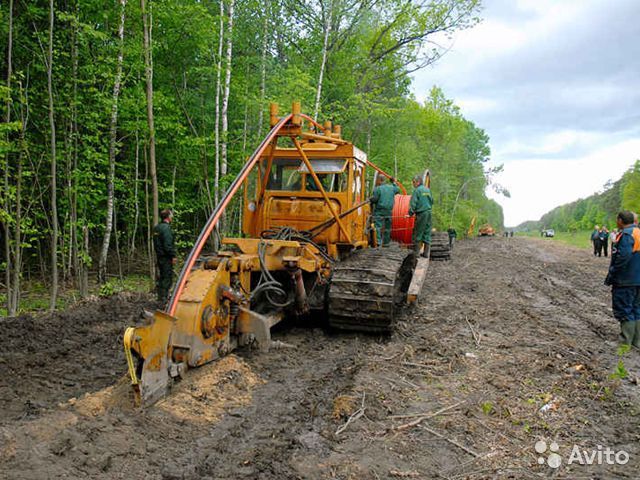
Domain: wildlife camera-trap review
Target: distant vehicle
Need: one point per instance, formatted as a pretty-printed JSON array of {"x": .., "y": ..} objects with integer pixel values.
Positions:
[
  {"x": 549, "y": 232},
  {"x": 486, "y": 231}
]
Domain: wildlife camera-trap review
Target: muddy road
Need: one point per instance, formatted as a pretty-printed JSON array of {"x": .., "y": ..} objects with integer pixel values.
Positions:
[{"x": 512, "y": 343}]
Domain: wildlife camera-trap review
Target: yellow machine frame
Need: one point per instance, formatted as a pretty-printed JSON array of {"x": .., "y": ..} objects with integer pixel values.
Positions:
[{"x": 209, "y": 314}]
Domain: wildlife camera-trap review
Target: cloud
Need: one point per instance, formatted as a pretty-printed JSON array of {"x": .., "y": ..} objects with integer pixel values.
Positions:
[
  {"x": 556, "y": 85},
  {"x": 539, "y": 185}
]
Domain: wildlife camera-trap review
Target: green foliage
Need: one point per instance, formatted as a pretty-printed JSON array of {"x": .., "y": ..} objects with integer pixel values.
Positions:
[
  {"x": 623, "y": 349},
  {"x": 108, "y": 289},
  {"x": 621, "y": 371},
  {"x": 598, "y": 209},
  {"x": 372, "y": 49},
  {"x": 487, "y": 408}
]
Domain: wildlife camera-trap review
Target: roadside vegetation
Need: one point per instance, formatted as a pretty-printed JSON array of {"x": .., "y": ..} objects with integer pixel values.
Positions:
[
  {"x": 600, "y": 208},
  {"x": 112, "y": 111},
  {"x": 580, "y": 239}
]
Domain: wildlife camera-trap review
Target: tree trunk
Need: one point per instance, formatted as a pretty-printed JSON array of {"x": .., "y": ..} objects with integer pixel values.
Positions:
[
  {"x": 84, "y": 273},
  {"x": 14, "y": 300},
  {"x": 136, "y": 217},
  {"x": 227, "y": 88},
  {"x": 147, "y": 25},
  {"x": 245, "y": 123},
  {"x": 7, "y": 243},
  {"x": 326, "y": 13},
  {"x": 152, "y": 264},
  {"x": 77, "y": 264},
  {"x": 117, "y": 242},
  {"x": 216, "y": 174},
  {"x": 263, "y": 66},
  {"x": 173, "y": 183},
  {"x": 113, "y": 130},
  {"x": 54, "y": 185},
  {"x": 17, "y": 239}
]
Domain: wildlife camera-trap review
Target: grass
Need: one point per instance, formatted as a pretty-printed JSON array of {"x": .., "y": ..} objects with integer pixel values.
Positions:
[
  {"x": 580, "y": 239},
  {"x": 34, "y": 297}
]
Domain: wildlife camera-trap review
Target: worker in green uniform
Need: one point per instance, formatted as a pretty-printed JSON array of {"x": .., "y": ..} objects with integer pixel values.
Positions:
[
  {"x": 382, "y": 201},
  {"x": 453, "y": 235},
  {"x": 165, "y": 254},
  {"x": 420, "y": 206}
]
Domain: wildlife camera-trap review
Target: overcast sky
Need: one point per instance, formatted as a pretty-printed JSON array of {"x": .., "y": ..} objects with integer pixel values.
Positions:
[{"x": 556, "y": 85}]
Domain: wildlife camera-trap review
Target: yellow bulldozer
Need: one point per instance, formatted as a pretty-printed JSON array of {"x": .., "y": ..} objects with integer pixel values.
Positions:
[
  {"x": 486, "y": 230},
  {"x": 305, "y": 245}
]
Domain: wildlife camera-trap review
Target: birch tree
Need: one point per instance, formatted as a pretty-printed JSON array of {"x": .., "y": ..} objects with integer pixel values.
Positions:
[
  {"x": 54, "y": 183},
  {"x": 326, "y": 29},
  {"x": 263, "y": 65},
  {"x": 113, "y": 131},
  {"x": 227, "y": 88},
  {"x": 147, "y": 27},
  {"x": 7, "y": 245},
  {"x": 216, "y": 174}
]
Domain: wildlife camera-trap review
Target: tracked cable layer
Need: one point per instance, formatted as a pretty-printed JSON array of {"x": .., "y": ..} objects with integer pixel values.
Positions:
[{"x": 367, "y": 288}]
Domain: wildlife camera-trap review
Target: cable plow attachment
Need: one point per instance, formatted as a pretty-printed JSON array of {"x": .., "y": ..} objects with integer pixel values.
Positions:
[{"x": 303, "y": 210}]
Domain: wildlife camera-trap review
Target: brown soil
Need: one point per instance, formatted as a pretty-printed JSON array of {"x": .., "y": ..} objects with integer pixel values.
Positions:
[{"x": 512, "y": 342}]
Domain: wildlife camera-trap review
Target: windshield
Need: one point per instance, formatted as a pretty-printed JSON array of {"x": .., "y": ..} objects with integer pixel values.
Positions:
[
  {"x": 331, "y": 182},
  {"x": 291, "y": 175},
  {"x": 285, "y": 175}
]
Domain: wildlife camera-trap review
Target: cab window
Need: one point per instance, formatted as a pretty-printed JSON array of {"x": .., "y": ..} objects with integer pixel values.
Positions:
[
  {"x": 285, "y": 175},
  {"x": 331, "y": 182}
]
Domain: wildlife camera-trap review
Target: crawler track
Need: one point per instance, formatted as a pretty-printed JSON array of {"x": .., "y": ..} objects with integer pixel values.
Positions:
[
  {"x": 440, "y": 246},
  {"x": 367, "y": 288}
]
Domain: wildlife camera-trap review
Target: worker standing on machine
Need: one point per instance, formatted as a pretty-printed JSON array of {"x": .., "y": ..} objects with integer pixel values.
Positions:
[
  {"x": 165, "y": 255},
  {"x": 382, "y": 200},
  {"x": 420, "y": 206}
]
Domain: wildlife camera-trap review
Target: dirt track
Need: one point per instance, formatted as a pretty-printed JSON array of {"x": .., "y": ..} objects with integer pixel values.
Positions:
[{"x": 505, "y": 328}]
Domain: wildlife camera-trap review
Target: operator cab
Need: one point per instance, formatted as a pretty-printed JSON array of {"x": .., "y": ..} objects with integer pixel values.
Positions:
[{"x": 284, "y": 193}]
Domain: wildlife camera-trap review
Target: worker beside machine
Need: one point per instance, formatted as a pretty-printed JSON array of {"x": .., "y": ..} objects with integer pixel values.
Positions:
[
  {"x": 452, "y": 236},
  {"x": 165, "y": 255},
  {"x": 382, "y": 201},
  {"x": 420, "y": 206}
]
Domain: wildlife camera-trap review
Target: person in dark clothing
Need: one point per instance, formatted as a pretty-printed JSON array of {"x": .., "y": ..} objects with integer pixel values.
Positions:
[
  {"x": 165, "y": 255},
  {"x": 595, "y": 239},
  {"x": 624, "y": 279},
  {"x": 382, "y": 201},
  {"x": 604, "y": 240},
  {"x": 420, "y": 205},
  {"x": 452, "y": 236}
]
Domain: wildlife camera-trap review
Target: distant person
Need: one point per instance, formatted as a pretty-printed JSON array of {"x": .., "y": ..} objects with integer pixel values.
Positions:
[
  {"x": 511, "y": 233},
  {"x": 613, "y": 237},
  {"x": 604, "y": 240},
  {"x": 595, "y": 239},
  {"x": 420, "y": 206},
  {"x": 624, "y": 279},
  {"x": 165, "y": 255},
  {"x": 452, "y": 236},
  {"x": 382, "y": 200}
]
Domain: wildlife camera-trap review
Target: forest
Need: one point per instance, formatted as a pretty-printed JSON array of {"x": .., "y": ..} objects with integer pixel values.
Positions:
[
  {"x": 597, "y": 209},
  {"x": 115, "y": 110}
]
